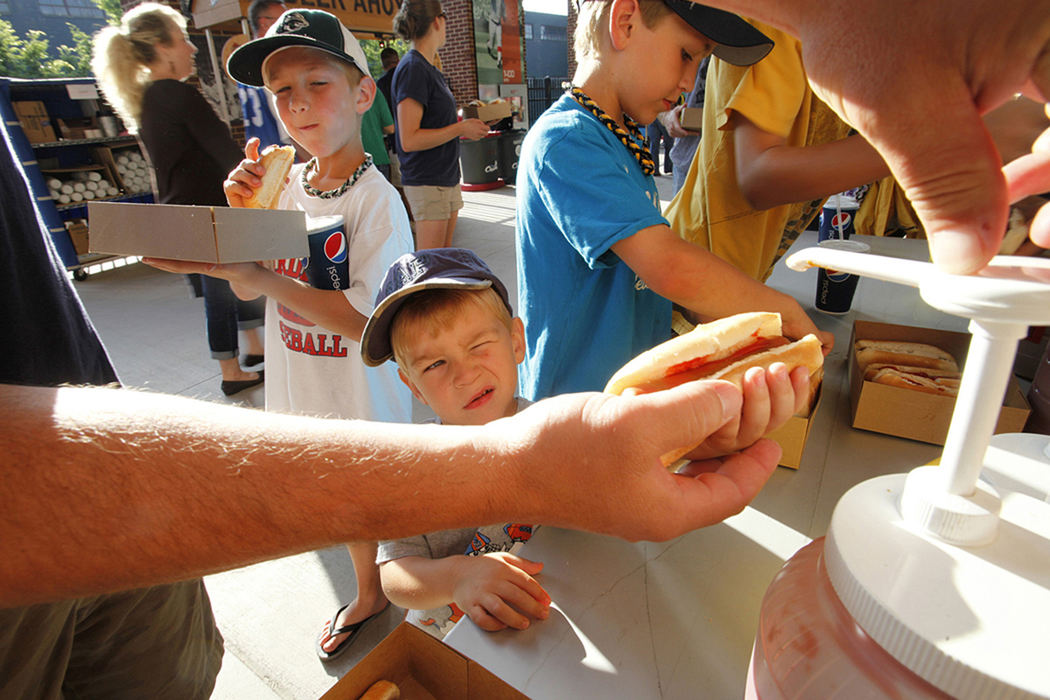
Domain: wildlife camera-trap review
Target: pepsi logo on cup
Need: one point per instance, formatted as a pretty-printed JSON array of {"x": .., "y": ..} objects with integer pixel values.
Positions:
[
  {"x": 841, "y": 220},
  {"x": 327, "y": 267}
]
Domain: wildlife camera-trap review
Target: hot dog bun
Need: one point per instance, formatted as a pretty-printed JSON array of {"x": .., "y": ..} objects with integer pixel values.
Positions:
[
  {"x": 931, "y": 381},
  {"x": 895, "y": 352},
  {"x": 382, "y": 690},
  {"x": 278, "y": 161},
  {"x": 723, "y": 349}
]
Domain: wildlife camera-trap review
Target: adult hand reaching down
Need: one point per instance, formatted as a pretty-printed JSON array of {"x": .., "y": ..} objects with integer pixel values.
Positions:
[{"x": 914, "y": 79}]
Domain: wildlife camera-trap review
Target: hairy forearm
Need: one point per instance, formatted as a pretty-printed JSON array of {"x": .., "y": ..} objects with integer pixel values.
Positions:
[
  {"x": 419, "y": 583},
  {"x": 108, "y": 489}
]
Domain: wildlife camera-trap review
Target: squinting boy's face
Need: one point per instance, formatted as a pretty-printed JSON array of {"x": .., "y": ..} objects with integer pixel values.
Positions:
[
  {"x": 315, "y": 101},
  {"x": 468, "y": 372},
  {"x": 665, "y": 62}
]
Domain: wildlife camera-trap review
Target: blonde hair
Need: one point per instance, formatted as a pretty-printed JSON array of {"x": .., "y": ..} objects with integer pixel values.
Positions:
[
  {"x": 594, "y": 17},
  {"x": 122, "y": 54},
  {"x": 431, "y": 310}
]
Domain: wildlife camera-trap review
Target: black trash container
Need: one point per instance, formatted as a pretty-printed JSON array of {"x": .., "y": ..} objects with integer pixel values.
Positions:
[
  {"x": 480, "y": 160},
  {"x": 509, "y": 150}
]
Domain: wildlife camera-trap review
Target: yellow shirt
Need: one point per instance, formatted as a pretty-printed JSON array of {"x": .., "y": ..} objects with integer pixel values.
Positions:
[{"x": 710, "y": 210}]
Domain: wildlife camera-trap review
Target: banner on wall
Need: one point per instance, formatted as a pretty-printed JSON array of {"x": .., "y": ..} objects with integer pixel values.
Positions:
[
  {"x": 358, "y": 15},
  {"x": 497, "y": 42}
]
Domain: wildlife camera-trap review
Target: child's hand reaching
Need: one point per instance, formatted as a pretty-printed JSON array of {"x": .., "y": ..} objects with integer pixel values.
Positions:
[
  {"x": 497, "y": 590},
  {"x": 242, "y": 182},
  {"x": 770, "y": 397}
]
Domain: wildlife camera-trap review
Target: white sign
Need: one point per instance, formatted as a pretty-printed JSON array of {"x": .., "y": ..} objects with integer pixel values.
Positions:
[{"x": 82, "y": 91}]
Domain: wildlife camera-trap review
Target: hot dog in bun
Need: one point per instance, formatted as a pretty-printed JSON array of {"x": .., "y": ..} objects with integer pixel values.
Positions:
[
  {"x": 278, "y": 161},
  {"x": 723, "y": 349},
  {"x": 895, "y": 352},
  {"x": 931, "y": 381}
]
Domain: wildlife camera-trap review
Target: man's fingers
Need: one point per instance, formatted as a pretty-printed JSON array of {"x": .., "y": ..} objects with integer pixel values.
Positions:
[{"x": 717, "y": 489}]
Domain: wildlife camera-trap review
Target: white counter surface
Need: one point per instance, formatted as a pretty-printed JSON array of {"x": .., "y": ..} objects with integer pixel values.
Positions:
[{"x": 677, "y": 619}]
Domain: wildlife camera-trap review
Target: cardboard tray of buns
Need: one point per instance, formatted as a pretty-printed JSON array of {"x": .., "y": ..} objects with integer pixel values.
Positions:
[
  {"x": 914, "y": 414},
  {"x": 423, "y": 668},
  {"x": 196, "y": 233}
]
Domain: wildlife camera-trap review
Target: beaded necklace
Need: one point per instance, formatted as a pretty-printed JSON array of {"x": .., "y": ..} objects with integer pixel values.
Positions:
[
  {"x": 640, "y": 152},
  {"x": 332, "y": 194}
]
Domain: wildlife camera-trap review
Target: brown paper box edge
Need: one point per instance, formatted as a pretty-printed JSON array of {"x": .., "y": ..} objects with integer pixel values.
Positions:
[{"x": 422, "y": 667}]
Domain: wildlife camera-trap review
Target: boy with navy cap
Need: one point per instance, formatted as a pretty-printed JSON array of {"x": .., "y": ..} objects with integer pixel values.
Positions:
[
  {"x": 598, "y": 266},
  {"x": 318, "y": 74},
  {"x": 447, "y": 321}
]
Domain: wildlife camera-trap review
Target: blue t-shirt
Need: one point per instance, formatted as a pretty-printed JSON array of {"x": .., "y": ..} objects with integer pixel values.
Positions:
[
  {"x": 586, "y": 312},
  {"x": 415, "y": 77},
  {"x": 258, "y": 119}
]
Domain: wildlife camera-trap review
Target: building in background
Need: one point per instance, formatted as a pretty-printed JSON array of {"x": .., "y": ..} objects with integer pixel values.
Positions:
[
  {"x": 52, "y": 17},
  {"x": 546, "y": 45}
]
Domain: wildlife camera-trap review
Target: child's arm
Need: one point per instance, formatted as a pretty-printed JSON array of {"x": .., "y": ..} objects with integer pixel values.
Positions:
[
  {"x": 700, "y": 281},
  {"x": 495, "y": 590},
  {"x": 327, "y": 308},
  {"x": 771, "y": 173}
]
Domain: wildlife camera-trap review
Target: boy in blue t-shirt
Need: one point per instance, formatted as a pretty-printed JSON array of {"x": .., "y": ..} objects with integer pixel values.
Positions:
[{"x": 598, "y": 265}]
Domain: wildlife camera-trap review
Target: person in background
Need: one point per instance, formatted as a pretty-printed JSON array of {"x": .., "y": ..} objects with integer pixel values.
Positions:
[
  {"x": 656, "y": 135},
  {"x": 141, "y": 67},
  {"x": 376, "y": 125},
  {"x": 388, "y": 58},
  {"x": 771, "y": 154},
  {"x": 428, "y": 129},
  {"x": 685, "y": 141}
]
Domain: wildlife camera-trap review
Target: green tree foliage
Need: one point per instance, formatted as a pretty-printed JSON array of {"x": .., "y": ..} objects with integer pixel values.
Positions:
[
  {"x": 372, "y": 48},
  {"x": 31, "y": 57}
]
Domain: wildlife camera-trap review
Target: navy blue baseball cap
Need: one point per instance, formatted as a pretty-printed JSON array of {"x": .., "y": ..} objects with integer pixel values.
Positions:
[
  {"x": 432, "y": 268},
  {"x": 316, "y": 29},
  {"x": 736, "y": 40}
]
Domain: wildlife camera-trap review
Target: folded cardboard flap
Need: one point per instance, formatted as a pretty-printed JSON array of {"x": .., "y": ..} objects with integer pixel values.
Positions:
[
  {"x": 421, "y": 667},
  {"x": 914, "y": 414},
  {"x": 196, "y": 233}
]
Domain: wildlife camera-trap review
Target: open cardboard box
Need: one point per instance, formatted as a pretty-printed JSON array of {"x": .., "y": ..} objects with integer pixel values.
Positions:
[
  {"x": 36, "y": 124},
  {"x": 488, "y": 112},
  {"x": 914, "y": 414},
  {"x": 423, "y": 668},
  {"x": 197, "y": 233}
]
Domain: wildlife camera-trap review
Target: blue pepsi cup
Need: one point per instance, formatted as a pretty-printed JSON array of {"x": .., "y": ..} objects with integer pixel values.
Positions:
[
  {"x": 835, "y": 289},
  {"x": 836, "y": 222},
  {"x": 328, "y": 265}
]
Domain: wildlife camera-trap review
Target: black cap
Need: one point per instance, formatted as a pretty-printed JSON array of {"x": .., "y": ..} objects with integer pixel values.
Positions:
[
  {"x": 316, "y": 29},
  {"x": 431, "y": 268},
  {"x": 737, "y": 41}
]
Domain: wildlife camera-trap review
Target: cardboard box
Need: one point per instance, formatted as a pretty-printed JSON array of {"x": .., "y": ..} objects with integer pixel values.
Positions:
[
  {"x": 36, "y": 124},
  {"x": 692, "y": 118},
  {"x": 914, "y": 414},
  {"x": 487, "y": 112},
  {"x": 78, "y": 128},
  {"x": 793, "y": 434},
  {"x": 422, "y": 667},
  {"x": 198, "y": 233},
  {"x": 78, "y": 234}
]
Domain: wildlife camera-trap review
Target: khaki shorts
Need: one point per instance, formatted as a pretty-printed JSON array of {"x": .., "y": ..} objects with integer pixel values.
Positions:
[
  {"x": 152, "y": 643},
  {"x": 432, "y": 203}
]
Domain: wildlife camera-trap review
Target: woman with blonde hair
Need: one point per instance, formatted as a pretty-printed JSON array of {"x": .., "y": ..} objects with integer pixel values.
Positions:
[
  {"x": 428, "y": 132},
  {"x": 141, "y": 66}
]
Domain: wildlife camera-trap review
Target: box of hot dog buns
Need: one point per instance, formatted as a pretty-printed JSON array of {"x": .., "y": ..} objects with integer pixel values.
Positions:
[
  {"x": 904, "y": 381},
  {"x": 197, "y": 233},
  {"x": 420, "y": 666}
]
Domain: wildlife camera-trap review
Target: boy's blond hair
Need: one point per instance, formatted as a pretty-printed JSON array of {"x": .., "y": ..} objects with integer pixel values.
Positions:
[
  {"x": 594, "y": 17},
  {"x": 428, "y": 311}
]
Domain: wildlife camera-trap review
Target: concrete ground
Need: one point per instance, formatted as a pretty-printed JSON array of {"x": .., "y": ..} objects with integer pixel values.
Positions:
[{"x": 269, "y": 613}]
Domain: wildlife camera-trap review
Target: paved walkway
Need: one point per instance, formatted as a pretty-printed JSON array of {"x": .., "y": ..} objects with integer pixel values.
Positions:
[{"x": 269, "y": 613}]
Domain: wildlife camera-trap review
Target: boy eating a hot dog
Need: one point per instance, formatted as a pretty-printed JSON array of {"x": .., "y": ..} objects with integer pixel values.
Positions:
[
  {"x": 598, "y": 266},
  {"x": 318, "y": 74}
]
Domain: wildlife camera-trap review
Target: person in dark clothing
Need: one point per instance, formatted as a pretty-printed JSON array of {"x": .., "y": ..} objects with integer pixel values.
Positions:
[
  {"x": 107, "y": 646},
  {"x": 141, "y": 66}
]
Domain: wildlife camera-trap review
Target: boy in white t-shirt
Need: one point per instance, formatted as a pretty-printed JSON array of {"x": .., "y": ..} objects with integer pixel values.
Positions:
[{"x": 319, "y": 77}]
